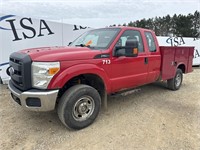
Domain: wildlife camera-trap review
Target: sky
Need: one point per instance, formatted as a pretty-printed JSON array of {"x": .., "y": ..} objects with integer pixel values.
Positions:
[{"x": 97, "y": 13}]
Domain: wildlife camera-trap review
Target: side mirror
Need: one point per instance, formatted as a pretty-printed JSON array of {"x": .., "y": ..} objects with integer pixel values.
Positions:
[
  {"x": 131, "y": 48},
  {"x": 119, "y": 51}
]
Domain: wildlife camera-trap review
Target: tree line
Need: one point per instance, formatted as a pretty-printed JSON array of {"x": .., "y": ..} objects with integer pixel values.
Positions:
[{"x": 177, "y": 25}]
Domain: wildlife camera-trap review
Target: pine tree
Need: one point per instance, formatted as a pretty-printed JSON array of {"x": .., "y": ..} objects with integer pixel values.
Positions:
[{"x": 181, "y": 25}]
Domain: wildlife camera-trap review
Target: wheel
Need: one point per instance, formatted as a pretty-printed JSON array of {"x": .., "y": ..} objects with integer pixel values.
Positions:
[
  {"x": 176, "y": 82},
  {"x": 79, "y": 106}
]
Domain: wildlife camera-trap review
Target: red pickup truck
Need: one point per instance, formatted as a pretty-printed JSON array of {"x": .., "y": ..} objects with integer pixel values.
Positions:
[{"x": 76, "y": 79}]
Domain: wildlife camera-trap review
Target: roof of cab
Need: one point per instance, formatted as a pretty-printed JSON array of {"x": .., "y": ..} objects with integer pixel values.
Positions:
[{"x": 136, "y": 28}]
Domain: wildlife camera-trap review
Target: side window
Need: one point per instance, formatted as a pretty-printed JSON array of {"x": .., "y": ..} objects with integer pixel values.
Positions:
[
  {"x": 131, "y": 34},
  {"x": 150, "y": 42}
]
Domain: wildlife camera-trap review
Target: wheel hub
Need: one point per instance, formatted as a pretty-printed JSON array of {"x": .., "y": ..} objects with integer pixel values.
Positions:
[
  {"x": 83, "y": 108},
  {"x": 178, "y": 80}
]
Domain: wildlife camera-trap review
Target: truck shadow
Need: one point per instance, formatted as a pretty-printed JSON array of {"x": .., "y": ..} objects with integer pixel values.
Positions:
[{"x": 157, "y": 97}]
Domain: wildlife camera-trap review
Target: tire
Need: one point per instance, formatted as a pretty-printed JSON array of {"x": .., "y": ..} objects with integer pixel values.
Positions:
[
  {"x": 1, "y": 82},
  {"x": 176, "y": 82},
  {"x": 79, "y": 106}
]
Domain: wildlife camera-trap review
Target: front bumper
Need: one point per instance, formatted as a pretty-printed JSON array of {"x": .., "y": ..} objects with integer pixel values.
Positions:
[{"x": 35, "y": 100}]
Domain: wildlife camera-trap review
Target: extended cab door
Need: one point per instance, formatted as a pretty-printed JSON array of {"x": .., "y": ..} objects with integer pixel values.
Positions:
[
  {"x": 153, "y": 57},
  {"x": 129, "y": 72}
]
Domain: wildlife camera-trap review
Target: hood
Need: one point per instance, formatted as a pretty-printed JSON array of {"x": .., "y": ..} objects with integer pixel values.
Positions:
[{"x": 61, "y": 53}]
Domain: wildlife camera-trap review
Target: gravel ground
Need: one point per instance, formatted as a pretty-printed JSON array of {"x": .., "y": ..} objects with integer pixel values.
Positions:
[{"x": 154, "y": 118}]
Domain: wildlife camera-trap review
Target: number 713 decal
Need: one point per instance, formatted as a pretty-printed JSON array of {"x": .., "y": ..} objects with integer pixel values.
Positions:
[{"x": 106, "y": 62}]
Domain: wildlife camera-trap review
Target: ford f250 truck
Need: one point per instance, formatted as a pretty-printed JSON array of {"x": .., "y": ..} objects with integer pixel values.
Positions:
[{"x": 76, "y": 79}]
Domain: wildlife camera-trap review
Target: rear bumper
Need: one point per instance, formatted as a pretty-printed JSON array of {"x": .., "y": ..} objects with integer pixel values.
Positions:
[{"x": 34, "y": 100}]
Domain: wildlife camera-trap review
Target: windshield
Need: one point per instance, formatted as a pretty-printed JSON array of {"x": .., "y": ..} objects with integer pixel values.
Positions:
[{"x": 97, "y": 39}]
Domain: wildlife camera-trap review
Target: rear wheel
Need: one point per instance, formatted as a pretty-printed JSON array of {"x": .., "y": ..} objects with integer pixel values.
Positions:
[
  {"x": 1, "y": 82},
  {"x": 79, "y": 106},
  {"x": 176, "y": 82}
]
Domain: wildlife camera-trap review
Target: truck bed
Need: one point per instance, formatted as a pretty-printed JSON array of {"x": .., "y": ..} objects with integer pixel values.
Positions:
[{"x": 171, "y": 57}]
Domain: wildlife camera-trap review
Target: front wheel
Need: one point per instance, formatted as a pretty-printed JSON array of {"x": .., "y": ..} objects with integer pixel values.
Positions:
[
  {"x": 176, "y": 82},
  {"x": 79, "y": 106}
]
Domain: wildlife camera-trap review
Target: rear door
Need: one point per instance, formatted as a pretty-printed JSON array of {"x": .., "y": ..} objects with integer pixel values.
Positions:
[
  {"x": 153, "y": 57},
  {"x": 129, "y": 72}
]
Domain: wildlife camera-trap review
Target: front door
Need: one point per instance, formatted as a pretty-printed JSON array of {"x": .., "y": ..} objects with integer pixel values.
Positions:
[{"x": 129, "y": 72}]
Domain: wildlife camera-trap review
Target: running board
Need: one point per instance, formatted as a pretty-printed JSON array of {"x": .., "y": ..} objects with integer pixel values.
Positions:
[{"x": 126, "y": 92}]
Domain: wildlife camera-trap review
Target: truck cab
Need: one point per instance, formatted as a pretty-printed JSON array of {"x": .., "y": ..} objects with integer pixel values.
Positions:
[
  {"x": 140, "y": 70},
  {"x": 76, "y": 79}
]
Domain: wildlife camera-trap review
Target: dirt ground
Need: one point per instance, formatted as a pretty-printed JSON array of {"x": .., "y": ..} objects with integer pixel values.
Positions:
[{"x": 154, "y": 118}]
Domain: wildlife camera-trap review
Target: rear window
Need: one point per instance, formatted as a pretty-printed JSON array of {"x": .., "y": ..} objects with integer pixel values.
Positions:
[{"x": 150, "y": 42}]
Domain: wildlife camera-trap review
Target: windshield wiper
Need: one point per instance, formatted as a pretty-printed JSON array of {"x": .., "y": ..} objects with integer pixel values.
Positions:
[{"x": 83, "y": 45}]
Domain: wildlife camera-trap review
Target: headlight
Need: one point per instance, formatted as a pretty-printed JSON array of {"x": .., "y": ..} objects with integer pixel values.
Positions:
[{"x": 43, "y": 72}]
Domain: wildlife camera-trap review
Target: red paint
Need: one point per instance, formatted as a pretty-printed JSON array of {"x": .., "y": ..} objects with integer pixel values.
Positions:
[{"x": 173, "y": 57}]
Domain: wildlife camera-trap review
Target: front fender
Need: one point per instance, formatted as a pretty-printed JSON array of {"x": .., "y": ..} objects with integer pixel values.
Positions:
[{"x": 65, "y": 75}]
